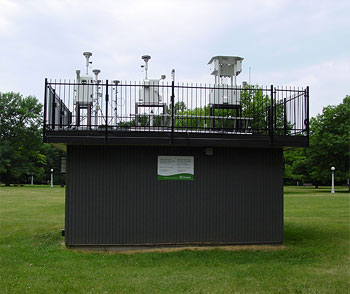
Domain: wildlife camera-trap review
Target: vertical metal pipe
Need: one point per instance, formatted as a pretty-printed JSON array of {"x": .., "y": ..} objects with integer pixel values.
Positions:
[
  {"x": 96, "y": 103},
  {"x": 61, "y": 113},
  {"x": 106, "y": 129},
  {"x": 285, "y": 116},
  {"x": 294, "y": 114},
  {"x": 53, "y": 116},
  {"x": 116, "y": 106},
  {"x": 172, "y": 110},
  {"x": 271, "y": 116},
  {"x": 64, "y": 102},
  {"x": 45, "y": 111},
  {"x": 275, "y": 110},
  {"x": 307, "y": 115}
]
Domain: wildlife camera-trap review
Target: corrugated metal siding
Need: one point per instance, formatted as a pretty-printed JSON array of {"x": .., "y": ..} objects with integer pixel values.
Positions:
[{"x": 113, "y": 197}]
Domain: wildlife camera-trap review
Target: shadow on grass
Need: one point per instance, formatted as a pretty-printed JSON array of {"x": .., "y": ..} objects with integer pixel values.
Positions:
[{"x": 297, "y": 234}]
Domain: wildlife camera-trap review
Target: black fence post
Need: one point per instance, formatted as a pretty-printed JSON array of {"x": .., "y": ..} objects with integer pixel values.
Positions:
[
  {"x": 61, "y": 113},
  {"x": 307, "y": 115},
  {"x": 53, "y": 114},
  {"x": 45, "y": 111},
  {"x": 271, "y": 116},
  {"x": 285, "y": 116},
  {"x": 106, "y": 129},
  {"x": 172, "y": 111}
]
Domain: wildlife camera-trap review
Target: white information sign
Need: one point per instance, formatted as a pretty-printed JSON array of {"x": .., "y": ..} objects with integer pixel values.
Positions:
[{"x": 180, "y": 168}]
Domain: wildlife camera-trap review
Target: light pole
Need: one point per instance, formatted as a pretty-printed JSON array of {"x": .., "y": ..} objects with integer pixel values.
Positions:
[
  {"x": 32, "y": 180},
  {"x": 52, "y": 178},
  {"x": 332, "y": 169}
]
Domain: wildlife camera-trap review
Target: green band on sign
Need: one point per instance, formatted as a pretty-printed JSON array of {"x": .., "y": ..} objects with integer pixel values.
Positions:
[{"x": 179, "y": 177}]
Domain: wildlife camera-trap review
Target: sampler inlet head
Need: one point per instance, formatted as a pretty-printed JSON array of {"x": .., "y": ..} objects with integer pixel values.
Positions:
[
  {"x": 96, "y": 72},
  {"x": 146, "y": 58},
  {"x": 87, "y": 56}
]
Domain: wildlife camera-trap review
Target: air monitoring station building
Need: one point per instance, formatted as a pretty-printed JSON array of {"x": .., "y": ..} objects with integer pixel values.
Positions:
[{"x": 156, "y": 163}]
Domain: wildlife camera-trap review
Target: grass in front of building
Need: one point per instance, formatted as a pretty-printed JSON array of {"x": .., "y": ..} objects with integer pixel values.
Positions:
[{"x": 315, "y": 257}]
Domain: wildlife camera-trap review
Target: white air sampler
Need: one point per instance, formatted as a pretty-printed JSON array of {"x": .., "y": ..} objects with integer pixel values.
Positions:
[
  {"x": 84, "y": 94},
  {"x": 87, "y": 93},
  {"x": 149, "y": 92},
  {"x": 224, "y": 67}
]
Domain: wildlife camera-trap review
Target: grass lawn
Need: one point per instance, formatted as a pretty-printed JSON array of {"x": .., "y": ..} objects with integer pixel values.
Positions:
[{"x": 315, "y": 257}]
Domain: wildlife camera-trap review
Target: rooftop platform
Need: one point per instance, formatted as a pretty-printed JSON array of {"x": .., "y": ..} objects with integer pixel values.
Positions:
[{"x": 161, "y": 113}]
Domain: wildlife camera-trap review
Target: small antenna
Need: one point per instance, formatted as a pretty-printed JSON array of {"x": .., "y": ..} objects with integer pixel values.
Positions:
[
  {"x": 87, "y": 56},
  {"x": 146, "y": 58}
]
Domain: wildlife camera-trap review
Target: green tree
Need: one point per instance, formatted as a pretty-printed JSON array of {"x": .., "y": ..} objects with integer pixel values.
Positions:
[
  {"x": 295, "y": 167},
  {"x": 329, "y": 143},
  {"x": 179, "y": 107},
  {"x": 329, "y": 146},
  {"x": 53, "y": 158},
  {"x": 255, "y": 104},
  {"x": 20, "y": 136}
]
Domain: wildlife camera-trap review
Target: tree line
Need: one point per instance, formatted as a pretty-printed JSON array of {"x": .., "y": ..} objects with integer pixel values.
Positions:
[
  {"x": 329, "y": 146},
  {"x": 23, "y": 153}
]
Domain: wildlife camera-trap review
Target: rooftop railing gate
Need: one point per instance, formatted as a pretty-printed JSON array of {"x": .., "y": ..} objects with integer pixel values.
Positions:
[
  {"x": 57, "y": 114},
  {"x": 175, "y": 108}
]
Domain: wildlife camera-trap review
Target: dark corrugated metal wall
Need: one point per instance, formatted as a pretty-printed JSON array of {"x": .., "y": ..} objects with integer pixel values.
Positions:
[{"x": 113, "y": 197}]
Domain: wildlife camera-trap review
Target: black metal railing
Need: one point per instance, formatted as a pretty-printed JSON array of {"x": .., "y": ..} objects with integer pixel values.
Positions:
[{"x": 153, "y": 106}]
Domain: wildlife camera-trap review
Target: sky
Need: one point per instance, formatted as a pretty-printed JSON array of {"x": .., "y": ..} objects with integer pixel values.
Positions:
[{"x": 283, "y": 42}]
